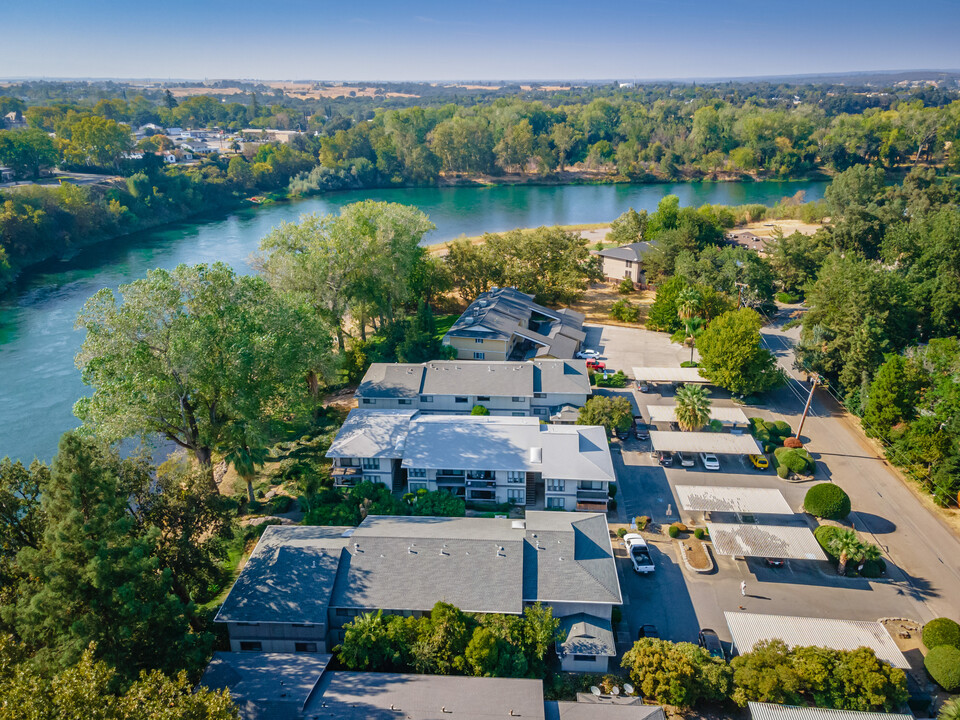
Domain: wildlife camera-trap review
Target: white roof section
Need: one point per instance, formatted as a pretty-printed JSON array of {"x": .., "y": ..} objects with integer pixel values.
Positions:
[
  {"x": 748, "y": 629},
  {"x": 669, "y": 374},
  {"x": 477, "y": 442},
  {"x": 772, "y": 711},
  {"x": 667, "y": 413},
  {"x": 706, "y": 442},
  {"x": 372, "y": 434},
  {"x": 776, "y": 541},
  {"x": 705, "y": 498}
]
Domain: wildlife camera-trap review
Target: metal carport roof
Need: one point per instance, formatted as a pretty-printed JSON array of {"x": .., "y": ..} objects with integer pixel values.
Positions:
[
  {"x": 707, "y": 442},
  {"x": 669, "y": 374},
  {"x": 667, "y": 413},
  {"x": 748, "y": 629},
  {"x": 705, "y": 498},
  {"x": 773, "y": 541},
  {"x": 773, "y": 711}
]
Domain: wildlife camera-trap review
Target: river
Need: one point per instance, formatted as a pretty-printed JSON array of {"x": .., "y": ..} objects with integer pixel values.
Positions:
[{"x": 39, "y": 383}]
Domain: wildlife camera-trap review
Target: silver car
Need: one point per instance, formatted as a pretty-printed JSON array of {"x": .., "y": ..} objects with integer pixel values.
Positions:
[{"x": 684, "y": 460}]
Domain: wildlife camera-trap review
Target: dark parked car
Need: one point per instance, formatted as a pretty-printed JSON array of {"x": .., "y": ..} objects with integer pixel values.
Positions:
[
  {"x": 710, "y": 641},
  {"x": 648, "y": 631},
  {"x": 665, "y": 458},
  {"x": 639, "y": 429},
  {"x": 776, "y": 562}
]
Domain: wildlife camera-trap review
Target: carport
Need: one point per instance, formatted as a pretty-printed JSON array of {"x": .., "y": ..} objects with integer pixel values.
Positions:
[
  {"x": 740, "y": 500},
  {"x": 668, "y": 413},
  {"x": 669, "y": 375},
  {"x": 772, "y": 711},
  {"x": 704, "y": 442},
  {"x": 748, "y": 629},
  {"x": 767, "y": 541}
]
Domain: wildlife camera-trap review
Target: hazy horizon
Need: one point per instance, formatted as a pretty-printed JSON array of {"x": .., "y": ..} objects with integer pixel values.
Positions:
[{"x": 433, "y": 41}]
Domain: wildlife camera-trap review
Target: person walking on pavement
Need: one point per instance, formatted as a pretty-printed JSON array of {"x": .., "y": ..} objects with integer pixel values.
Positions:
[{"x": 743, "y": 588}]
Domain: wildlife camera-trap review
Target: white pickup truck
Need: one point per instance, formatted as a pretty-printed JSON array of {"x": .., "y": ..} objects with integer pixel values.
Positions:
[{"x": 639, "y": 553}]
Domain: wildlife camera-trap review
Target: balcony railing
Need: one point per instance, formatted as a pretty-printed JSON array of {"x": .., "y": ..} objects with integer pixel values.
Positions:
[
  {"x": 346, "y": 476},
  {"x": 592, "y": 495}
]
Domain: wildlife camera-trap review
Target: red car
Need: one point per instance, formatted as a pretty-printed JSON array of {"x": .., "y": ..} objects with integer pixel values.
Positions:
[{"x": 596, "y": 365}]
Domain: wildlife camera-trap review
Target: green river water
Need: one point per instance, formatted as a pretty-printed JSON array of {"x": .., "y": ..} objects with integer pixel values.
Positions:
[{"x": 39, "y": 383}]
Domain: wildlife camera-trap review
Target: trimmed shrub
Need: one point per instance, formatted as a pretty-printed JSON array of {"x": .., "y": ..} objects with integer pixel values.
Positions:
[
  {"x": 616, "y": 380},
  {"x": 616, "y": 615},
  {"x": 621, "y": 532},
  {"x": 625, "y": 287},
  {"x": 680, "y": 526},
  {"x": 625, "y": 311},
  {"x": 479, "y": 410},
  {"x": 826, "y": 501},
  {"x": 782, "y": 429},
  {"x": 698, "y": 533},
  {"x": 673, "y": 531},
  {"x": 689, "y": 364},
  {"x": 612, "y": 490},
  {"x": 825, "y": 535},
  {"x": 942, "y": 631},
  {"x": 782, "y": 472},
  {"x": 770, "y": 427},
  {"x": 792, "y": 442},
  {"x": 873, "y": 568},
  {"x": 943, "y": 664},
  {"x": 641, "y": 521},
  {"x": 797, "y": 460}
]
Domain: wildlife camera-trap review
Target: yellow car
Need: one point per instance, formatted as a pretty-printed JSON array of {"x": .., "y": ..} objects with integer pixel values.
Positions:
[{"x": 759, "y": 462}]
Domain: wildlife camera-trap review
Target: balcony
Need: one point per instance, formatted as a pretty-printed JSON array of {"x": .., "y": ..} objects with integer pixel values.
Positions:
[
  {"x": 592, "y": 496},
  {"x": 346, "y": 476},
  {"x": 446, "y": 478}
]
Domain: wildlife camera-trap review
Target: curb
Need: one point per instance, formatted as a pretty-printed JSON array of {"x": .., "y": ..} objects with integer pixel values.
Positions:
[{"x": 691, "y": 568}]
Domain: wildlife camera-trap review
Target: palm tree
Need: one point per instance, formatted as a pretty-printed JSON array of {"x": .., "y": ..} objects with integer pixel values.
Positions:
[
  {"x": 245, "y": 449},
  {"x": 689, "y": 303},
  {"x": 868, "y": 552},
  {"x": 846, "y": 546},
  {"x": 693, "y": 328},
  {"x": 950, "y": 710},
  {"x": 693, "y": 407}
]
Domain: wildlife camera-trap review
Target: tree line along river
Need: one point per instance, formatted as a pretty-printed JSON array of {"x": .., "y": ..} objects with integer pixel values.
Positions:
[{"x": 39, "y": 382}]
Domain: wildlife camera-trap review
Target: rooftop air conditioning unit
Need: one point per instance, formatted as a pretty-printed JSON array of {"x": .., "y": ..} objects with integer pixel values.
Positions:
[{"x": 536, "y": 455}]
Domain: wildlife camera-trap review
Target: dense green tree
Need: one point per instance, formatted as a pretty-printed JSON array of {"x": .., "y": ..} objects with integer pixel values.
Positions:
[
  {"x": 733, "y": 357},
  {"x": 630, "y": 227},
  {"x": 97, "y": 141},
  {"x": 190, "y": 351},
  {"x": 442, "y": 641},
  {"x": 22, "y": 519},
  {"x": 674, "y": 673},
  {"x": 893, "y": 396},
  {"x": 27, "y": 152},
  {"x": 796, "y": 259},
  {"x": 88, "y": 689},
  {"x": 93, "y": 579},
  {"x": 613, "y": 413}
]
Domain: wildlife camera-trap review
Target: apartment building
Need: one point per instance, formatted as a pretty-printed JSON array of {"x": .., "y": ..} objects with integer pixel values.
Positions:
[
  {"x": 302, "y": 584},
  {"x": 506, "y": 324},
  {"x": 540, "y": 387},
  {"x": 494, "y": 459}
]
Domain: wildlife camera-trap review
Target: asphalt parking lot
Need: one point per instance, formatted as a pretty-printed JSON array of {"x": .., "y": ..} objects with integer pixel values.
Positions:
[{"x": 679, "y": 601}]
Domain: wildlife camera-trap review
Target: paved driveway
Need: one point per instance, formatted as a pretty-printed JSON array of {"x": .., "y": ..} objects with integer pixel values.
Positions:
[
  {"x": 625, "y": 348},
  {"x": 679, "y": 601}
]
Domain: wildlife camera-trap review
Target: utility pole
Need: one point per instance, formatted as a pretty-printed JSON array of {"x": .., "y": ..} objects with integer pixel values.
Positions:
[
  {"x": 740, "y": 287},
  {"x": 806, "y": 408}
]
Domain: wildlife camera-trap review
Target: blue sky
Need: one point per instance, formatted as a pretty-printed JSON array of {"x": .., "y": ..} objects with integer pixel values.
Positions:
[{"x": 460, "y": 39}]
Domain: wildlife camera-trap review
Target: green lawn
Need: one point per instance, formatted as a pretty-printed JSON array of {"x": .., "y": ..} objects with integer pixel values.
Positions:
[{"x": 444, "y": 322}]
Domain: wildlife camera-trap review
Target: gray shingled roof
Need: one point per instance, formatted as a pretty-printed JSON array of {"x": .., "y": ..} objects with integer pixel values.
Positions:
[
  {"x": 561, "y": 376},
  {"x": 406, "y": 574},
  {"x": 460, "y": 442},
  {"x": 392, "y": 380},
  {"x": 620, "y": 709},
  {"x": 372, "y": 434},
  {"x": 587, "y": 635},
  {"x": 411, "y": 563},
  {"x": 633, "y": 251},
  {"x": 467, "y": 377},
  {"x": 266, "y": 685},
  {"x": 503, "y": 312},
  {"x": 288, "y": 578},
  {"x": 390, "y": 696}
]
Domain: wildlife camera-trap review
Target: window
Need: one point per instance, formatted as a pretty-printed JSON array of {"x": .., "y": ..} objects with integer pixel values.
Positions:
[
  {"x": 348, "y": 462},
  {"x": 368, "y": 401},
  {"x": 555, "y": 503},
  {"x": 371, "y": 463},
  {"x": 483, "y": 398},
  {"x": 541, "y": 411},
  {"x": 426, "y": 398},
  {"x": 460, "y": 399},
  {"x": 251, "y": 646},
  {"x": 590, "y": 485},
  {"x": 415, "y": 486},
  {"x": 518, "y": 413},
  {"x": 248, "y": 624},
  {"x": 517, "y": 495},
  {"x": 478, "y": 356},
  {"x": 478, "y": 340},
  {"x": 405, "y": 401},
  {"x": 516, "y": 399},
  {"x": 585, "y": 658},
  {"x": 417, "y": 473},
  {"x": 540, "y": 396},
  {"x": 305, "y": 647},
  {"x": 515, "y": 476},
  {"x": 629, "y": 263},
  {"x": 555, "y": 485}
]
